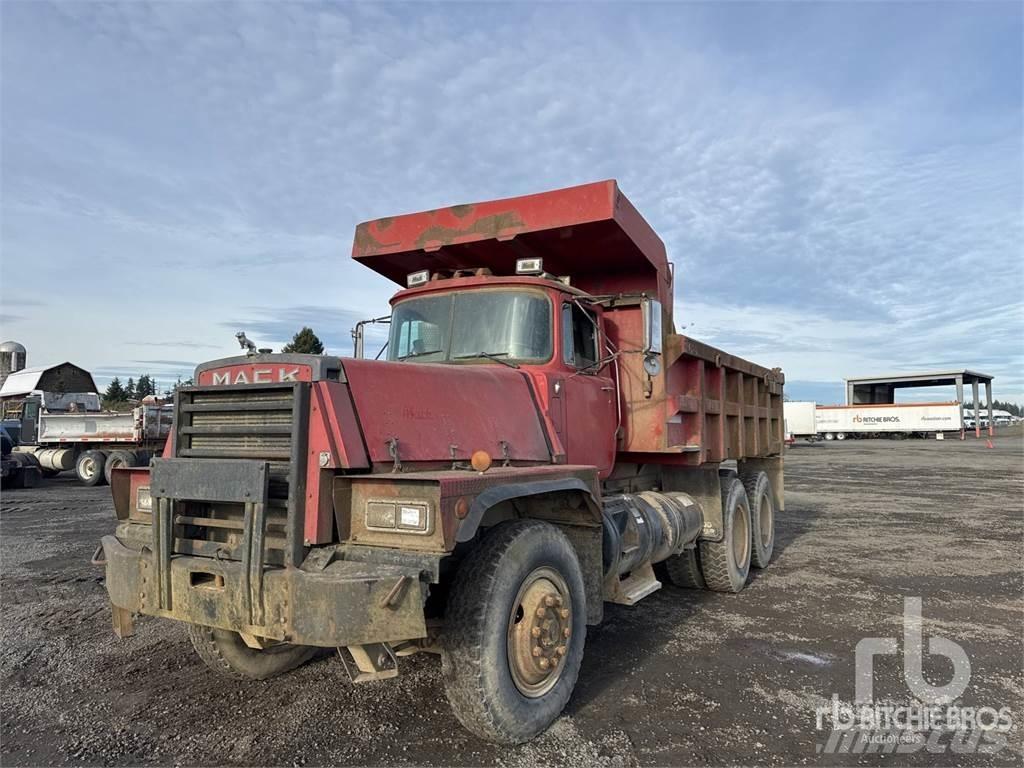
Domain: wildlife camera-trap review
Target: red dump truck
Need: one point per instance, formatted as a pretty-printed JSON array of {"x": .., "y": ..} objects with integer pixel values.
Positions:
[{"x": 538, "y": 441}]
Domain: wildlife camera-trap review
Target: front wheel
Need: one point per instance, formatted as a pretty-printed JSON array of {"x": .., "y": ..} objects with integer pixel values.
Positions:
[
  {"x": 225, "y": 652},
  {"x": 514, "y": 631}
]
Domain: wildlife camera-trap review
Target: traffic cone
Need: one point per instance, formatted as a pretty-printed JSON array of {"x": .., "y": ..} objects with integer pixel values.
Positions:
[{"x": 988, "y": 444}]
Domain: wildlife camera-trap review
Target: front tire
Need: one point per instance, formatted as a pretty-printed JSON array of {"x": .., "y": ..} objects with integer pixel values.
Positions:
[
  {"x": 725, "y": 564},
  {"x": 514, "y": 632},
  {"x": 226, "y": 653}
]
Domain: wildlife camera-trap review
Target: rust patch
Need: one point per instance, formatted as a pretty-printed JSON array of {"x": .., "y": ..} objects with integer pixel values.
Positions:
[
  {"x": 462, "y": 211},
  {"x": 486, "y": 227},
  {"x": 365, "y": 243},
  {"x": 384, "y": 223}
]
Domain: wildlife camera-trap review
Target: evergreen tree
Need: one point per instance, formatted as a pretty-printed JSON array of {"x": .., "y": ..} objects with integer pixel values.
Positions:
[
  {"x": 129, "y": 389},
  {"x": 305, "y": 342},
  {"x": 115, "y": 392},
  {"x": 179, "y": 383},
  {"x": 144, "y": 387}
]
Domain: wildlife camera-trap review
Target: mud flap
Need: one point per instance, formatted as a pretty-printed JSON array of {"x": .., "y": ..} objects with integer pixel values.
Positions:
[
  {"x": 122, "y": 620},
  {"x": 374, "y": 661}
]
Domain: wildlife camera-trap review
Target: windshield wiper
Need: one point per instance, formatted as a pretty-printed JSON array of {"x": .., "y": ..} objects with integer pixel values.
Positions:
[
  {"x": 417, "y": 354},
  {"x": 496, "y": 356}
]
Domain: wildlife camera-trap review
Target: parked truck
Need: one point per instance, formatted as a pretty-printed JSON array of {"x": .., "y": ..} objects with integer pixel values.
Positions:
[
  {"x": 70, "y": 431},
  {"x": 890, "y": 420},
  {"x": 537, "y": 441}
]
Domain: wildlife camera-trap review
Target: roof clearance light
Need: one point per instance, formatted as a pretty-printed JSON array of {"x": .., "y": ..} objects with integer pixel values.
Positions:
[
  {"x": 417, "y": 278},
  {"x": 529, "y": 266}
]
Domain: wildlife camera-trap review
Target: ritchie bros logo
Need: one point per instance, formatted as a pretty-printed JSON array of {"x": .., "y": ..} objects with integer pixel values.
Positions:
[{"x": 876, "y": 419}]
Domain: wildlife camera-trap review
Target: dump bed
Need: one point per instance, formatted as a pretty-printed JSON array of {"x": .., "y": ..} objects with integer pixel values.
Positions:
[{"x": 142, "y": 424}]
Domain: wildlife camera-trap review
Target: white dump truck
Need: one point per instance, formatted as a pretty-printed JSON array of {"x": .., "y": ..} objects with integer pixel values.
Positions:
[
  {"x": 69, "y": 431},
  {"x": 895, "y": 420}
]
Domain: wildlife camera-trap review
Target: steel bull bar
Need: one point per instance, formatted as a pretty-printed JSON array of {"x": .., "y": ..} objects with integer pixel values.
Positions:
[{"x": 329, "y": 601}]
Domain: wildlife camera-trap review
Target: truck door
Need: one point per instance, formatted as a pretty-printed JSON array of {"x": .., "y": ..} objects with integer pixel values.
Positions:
[
  {"x": 588, "y": 392},
  {"x": 29, "y": 421}
]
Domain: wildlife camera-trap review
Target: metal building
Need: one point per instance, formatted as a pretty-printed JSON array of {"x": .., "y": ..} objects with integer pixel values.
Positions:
[{"x": 882, "y": 389}]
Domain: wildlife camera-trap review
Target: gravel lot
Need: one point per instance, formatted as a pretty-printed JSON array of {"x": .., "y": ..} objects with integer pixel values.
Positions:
[{"x": 682, "y": 678}]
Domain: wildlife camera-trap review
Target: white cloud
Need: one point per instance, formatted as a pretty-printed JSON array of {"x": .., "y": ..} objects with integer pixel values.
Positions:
[{"x": 825, "y": 201}]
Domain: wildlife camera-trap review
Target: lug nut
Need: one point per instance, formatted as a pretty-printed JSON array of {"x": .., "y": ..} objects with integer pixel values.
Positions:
[
  {"x": 565, "y": 632},
  {"x": 535, "y": 631},
  {"x": 564, "y": 613},
  {"x": 537, "y": 651},
  {"x": 549, "y": 601},
  {"x": 560, "y": 650},
  {"x": 541, "y": 613},
  {"x": 544, "y": 663},
  {"x": 554, "y": 661}
]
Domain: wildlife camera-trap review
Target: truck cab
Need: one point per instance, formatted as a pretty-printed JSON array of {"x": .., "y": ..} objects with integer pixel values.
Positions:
[{"x": 535, "y": 324}]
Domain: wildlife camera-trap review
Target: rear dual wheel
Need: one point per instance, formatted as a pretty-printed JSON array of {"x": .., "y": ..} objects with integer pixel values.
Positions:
[
  {"x": 748, "y": 516},
  {"x": 116, "y": 459},
  {"x": 725, "y": 564}
]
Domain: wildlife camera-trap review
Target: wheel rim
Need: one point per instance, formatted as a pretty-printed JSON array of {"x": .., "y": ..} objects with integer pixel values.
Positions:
[
  {"x": 89, "y": 467},
  {"x": 539, "y": 630},
  {"x": 740, "y": 537}
]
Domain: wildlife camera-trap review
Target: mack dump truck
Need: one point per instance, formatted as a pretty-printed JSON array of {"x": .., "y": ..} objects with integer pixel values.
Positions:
[{"x": 538, "y": 441}]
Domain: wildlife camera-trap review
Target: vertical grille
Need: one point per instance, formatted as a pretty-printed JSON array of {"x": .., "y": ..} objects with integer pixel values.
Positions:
[{"x": 241, "y": 422}]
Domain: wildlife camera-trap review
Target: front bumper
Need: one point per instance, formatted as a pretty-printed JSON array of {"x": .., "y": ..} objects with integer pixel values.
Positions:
[{"x": 331, "y": 604}]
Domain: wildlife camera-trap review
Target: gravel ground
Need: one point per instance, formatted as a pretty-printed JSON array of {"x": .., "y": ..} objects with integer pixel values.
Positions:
[{"x": 684, "y": 677}]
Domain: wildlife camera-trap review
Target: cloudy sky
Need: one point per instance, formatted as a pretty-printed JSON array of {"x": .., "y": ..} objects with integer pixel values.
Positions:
[{"x": 839, "y": 185}]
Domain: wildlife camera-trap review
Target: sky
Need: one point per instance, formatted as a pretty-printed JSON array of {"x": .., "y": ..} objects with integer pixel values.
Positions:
[{"x": 838, "y": 185}]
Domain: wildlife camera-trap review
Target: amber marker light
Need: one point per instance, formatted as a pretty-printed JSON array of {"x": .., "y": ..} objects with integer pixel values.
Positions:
[{"x": 481, "y": 461}]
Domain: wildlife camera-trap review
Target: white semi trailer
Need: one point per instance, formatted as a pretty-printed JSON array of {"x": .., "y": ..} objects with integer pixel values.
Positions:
[
  {"x": 801, "y": 419},
  {"x": 896, "y": 420}
]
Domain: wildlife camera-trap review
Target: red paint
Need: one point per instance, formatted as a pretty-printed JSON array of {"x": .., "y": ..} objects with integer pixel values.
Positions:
[
  {"x": 333, "y": 429},
  {"x": 429, "y": 408}
]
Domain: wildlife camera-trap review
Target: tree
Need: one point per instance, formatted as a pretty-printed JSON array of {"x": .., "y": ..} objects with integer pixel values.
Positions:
[
  {"x": 144, "y": 387},
  {"x": 115, "y": 392},
  {"x": 305, "y": 342},
  {"x": 129, "y": 389}
]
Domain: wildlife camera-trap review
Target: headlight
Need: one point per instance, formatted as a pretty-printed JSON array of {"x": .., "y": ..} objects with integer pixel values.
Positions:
[
  {"x": 143, "y": 501},
  {"x": 401, "y": 516}
]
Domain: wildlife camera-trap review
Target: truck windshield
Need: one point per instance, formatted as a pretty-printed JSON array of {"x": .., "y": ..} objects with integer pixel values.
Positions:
[{"x": 471, "y": 325}]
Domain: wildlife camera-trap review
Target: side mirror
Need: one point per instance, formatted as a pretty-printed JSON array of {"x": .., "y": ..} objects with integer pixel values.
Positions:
[{"x": 652, "y": 326}]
